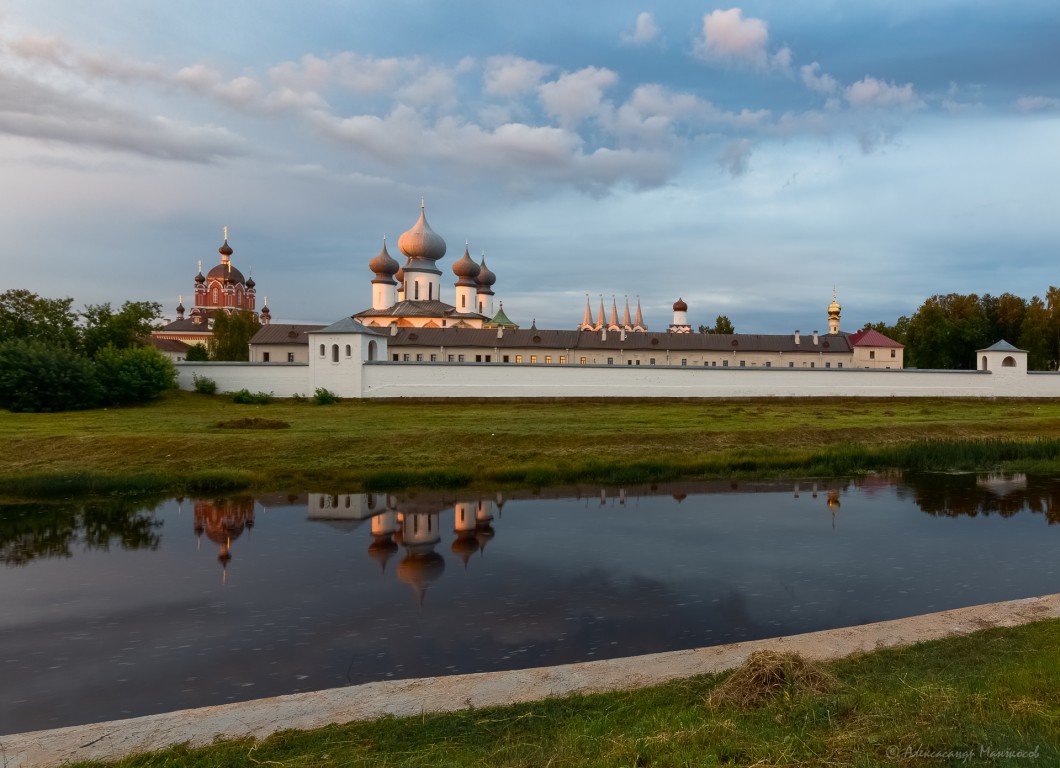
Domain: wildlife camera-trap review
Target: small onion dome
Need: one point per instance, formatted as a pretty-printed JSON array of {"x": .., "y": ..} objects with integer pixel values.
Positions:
[
  {"x": 422, "y": 242},
  {"x": 466, "y": 266},
  {"x": 250, "y": 282},
  {"x": 384, "y": 263},
  {"x": 265, "y": 309},
  {"x": 225, "y": 249},
  {"x": 180, "y": 308},
  {"x": 400, "y": 274},
  {"x": 680, "y": 306},
  {"x": 485, "y": 278},
  {"x": 834, "y": 308},
  {"x": 199, "y": 277}
]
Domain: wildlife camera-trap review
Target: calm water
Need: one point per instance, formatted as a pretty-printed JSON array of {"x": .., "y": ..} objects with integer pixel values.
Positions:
[{"x": 110, "y": 611}]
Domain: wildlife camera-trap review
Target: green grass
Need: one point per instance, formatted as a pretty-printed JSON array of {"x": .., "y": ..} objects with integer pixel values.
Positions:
[
  {"x": 175, "y": 444},
  {"x": 996, "y": 690}
]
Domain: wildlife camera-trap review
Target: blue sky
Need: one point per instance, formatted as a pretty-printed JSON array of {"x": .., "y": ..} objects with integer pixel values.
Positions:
[{"x": 746, "y": 158}]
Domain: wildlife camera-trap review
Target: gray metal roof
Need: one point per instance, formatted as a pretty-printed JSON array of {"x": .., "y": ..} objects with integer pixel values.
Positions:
[
  {"x": 348, "y": 325},
  {"x": 1001, "y": 346},
  {"x": 283, "y": 333},
  {"x": 410, "y": 308}
]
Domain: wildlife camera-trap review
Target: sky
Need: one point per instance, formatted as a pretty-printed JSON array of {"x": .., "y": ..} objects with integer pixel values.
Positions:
[{"x": 749, "y": 159}]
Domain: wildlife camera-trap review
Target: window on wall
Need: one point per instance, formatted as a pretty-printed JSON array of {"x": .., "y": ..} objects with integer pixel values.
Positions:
[
  {"x": 610, "y": 361},
  {"x": 395, "y": 357},
  {"x": 264, "y": 357},
  {"x": 562, "y": 359},
  {"x": 419, "y": 357},
  {"x": 813, "y": 365},
  {"x": 434, "y": 358},
  {"x": 724, "y": 363},
  {"x": 460, "y": 358},
  {"x": 743, "y": 363},
  {"x": 322, "y": 353},
  {"x": 290, "y": 357},
  {"x": 334, "y": 353},
  {"x": 651, "y": 361},
  {"x": 872, "y": 354},
  {"x": 769, "y": 364},
  {"x": 430, "y": 290},
  {"x": 713, "y": 363},
  {"x": 416, "y": 290},
  {"x": 478, "y": 358},
  {"x": 489, "y": 358},
  {"x": 504, "y": 359},
  {"x": 684, "y": 361},
  {"x": 463, "y": 300},
  {"x": 533, "y": 358},
  {"x": 827, "y": 365},
  {"x": 405, "y": 357},
  {"x": 894, "y": 353},
  {"x": 548, "y": 359},
  {"x": 518, "y": 358},
  {"x": 348, "y": 350},
  {"x": 451, "y": 358},
  {"x": 582, "y": 360},
  {"x": 839, "y": 365}
]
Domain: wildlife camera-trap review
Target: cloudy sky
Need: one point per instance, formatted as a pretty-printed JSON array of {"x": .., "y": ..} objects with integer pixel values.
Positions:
[{"x": 746, "y": 158}]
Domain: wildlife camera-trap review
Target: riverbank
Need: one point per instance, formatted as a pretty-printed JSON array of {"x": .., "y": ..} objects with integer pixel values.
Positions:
[
  {"x": 979, "y": 679},
  {"x": 193, "y": 443}
]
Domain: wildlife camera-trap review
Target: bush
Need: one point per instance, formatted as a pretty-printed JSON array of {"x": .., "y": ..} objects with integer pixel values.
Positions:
[
  {"x": 325, "y": 397},
  {"x": 203, "y": 384},
  {"x": 246, "y": 397},
  {"x": 197, "y": 353},
  {"x": 133, "y": 375},
  {"x": 38, "y": 376}
]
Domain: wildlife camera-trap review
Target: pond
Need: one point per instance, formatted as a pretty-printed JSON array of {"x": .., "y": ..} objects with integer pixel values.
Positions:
[{"x": 109, "y": 610}]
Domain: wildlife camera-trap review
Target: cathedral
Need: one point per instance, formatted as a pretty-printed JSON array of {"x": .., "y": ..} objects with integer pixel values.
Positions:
[{"x": 222, "y": 289}]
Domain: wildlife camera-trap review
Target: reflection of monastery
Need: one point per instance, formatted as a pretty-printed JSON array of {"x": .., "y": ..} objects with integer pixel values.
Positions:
[{"x": 411, "y": 343}]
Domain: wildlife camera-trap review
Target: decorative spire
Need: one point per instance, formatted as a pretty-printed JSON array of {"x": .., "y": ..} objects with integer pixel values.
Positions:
[
  {"x": 639, "y": 319},
  {"x": 600, "y": 313},
  {"x": 614, "y": 312},
  {"x": 625, "y": 315},
  {"x": 587, "y": 321}
]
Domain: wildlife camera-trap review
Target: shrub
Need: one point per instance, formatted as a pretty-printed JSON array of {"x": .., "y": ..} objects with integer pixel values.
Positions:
[
  {"x": 37, "y": 376},
  {"x": 203, "y": 384},
  {"x": 325, "y": 397},
  {"x": 246, "y": 397},
  {"x": 133, "y": 375},
  {"x": 197, "y": 353}
]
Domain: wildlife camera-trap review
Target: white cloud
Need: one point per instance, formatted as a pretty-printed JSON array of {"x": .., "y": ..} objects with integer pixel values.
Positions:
[
  {"x": 577, "y": 95},
  {"x": 729, "y": 38},
  {"x": 870, "y": 92},
  {"x": 1035, "y": 103},
  {"x": 348, "y": 70},
  {"x": 512, "y": 75},
  {"x": 736, "y": 157},
  {"x": 435, "y": 87},
  {"x": 821, "y": 83},
  {"x": 644, "y": 30}
]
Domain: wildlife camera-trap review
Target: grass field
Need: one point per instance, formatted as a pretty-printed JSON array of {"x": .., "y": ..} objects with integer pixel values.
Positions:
[
  {"x": 987, "y": 699},
  {"x": 176, "y": 443}
]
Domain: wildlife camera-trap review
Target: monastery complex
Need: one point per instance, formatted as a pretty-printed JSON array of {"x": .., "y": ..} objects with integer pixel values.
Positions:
[{"x": 411, "y": 343}]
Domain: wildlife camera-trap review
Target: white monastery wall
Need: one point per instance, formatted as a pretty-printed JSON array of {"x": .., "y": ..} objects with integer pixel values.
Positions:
[
  {"x": 281, "y": 379},
  {"x": 387, "y": 380}
]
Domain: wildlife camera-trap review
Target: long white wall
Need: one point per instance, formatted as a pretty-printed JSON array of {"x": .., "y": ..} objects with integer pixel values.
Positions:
[
  {"x": 388, "y": 380},
  {"x": 281, "y": 379},
  {"x": 441, "y": 380}
]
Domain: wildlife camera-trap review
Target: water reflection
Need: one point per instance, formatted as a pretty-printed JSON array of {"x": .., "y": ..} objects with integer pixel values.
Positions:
[{"x": 257, "y": 595}]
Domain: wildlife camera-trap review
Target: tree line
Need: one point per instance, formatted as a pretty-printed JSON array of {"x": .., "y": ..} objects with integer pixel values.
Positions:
[
  {"x": 54, "y": 358},
  {"x": 947, "y": 329}
]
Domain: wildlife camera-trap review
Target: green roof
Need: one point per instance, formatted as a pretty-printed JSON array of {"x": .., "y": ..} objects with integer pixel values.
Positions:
[{"x": 500, "y": 320}]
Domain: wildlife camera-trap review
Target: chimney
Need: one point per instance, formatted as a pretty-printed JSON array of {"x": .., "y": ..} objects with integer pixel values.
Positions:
[
  {"x": 393, "y": 330},
  {"x": 796, "y": 337},
  {"x": 603, "y": 334},
  {"x": 622, "y": 336},
  {"x": 815, "y": 338},
  {"x": 500, "y": 333}
]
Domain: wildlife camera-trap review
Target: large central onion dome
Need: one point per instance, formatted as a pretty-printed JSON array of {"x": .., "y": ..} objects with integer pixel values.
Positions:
[
  {"x": 225, "y": 271},
  {"x": 422, "y": 242}
]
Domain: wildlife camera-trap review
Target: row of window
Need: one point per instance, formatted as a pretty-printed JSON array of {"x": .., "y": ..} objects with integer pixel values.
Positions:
[
  {"x": 872, "y": 354},
  {"x": 421, "y": 357},
  {"x": 266, "y": 357}
]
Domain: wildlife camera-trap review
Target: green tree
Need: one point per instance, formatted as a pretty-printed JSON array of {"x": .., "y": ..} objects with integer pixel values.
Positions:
[
  {"x": 132, "y": 375},
  {"x": 1036, "y": 336},
  {"x": 722, "y": 324},
  {"x": 40, "y": 376},
  {"x": 128, "y": 327},
  {"x": 898, "y": 332},
  {"x": 231, "y": 335},
  {"x": 25, "y": 315},
  {"x": 197, "y": 353},
  {"x": 1004, "y": 315},
  {"x": 946, "y": 331}
]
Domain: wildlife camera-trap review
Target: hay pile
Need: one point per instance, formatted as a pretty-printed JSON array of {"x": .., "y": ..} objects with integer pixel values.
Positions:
[{"x": 765, "y": 674}]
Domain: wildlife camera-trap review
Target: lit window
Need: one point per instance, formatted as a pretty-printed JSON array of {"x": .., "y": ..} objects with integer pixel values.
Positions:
[
  {"x": 533, "y": 358},
  {"x": 548, "y": 359},
  {"x": 562, "y": 359},
  {"x": 518, "y": 358},
  {"x": 581, "y": 360}
]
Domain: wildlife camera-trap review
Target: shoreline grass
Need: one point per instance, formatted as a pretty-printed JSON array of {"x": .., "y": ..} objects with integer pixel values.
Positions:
[
  {"x": 179, "y": 444},
  {"x": 991, "y": 695}
]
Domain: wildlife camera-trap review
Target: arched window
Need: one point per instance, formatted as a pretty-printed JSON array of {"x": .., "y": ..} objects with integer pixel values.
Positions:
[
  {"x": 371, "y": 350},
  {"x": 984, "y": 363},
  {"x": 1008, "y": 362},
  {"x": 347, "y": 350},
  {"x": 334, "y": 353},
  {"x": 321, "y": 350}
]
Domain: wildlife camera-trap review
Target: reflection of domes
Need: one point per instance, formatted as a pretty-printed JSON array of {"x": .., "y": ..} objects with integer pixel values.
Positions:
[
  {"x": 419, "y": 571},
  {"x": 464, "y": 546},
  {"x": 382, "y": 549},
  {"x": 680, "y": 306},
  {"x": 422, "y": 242},
  {"x": 483, "y": 534},
  {"x": 466, "y": 266}
]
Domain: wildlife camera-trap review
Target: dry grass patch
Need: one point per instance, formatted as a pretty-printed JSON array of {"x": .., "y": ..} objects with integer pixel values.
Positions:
[
  {"x": 765, "y": 674},
  {"x": 252, "y": 423}
]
